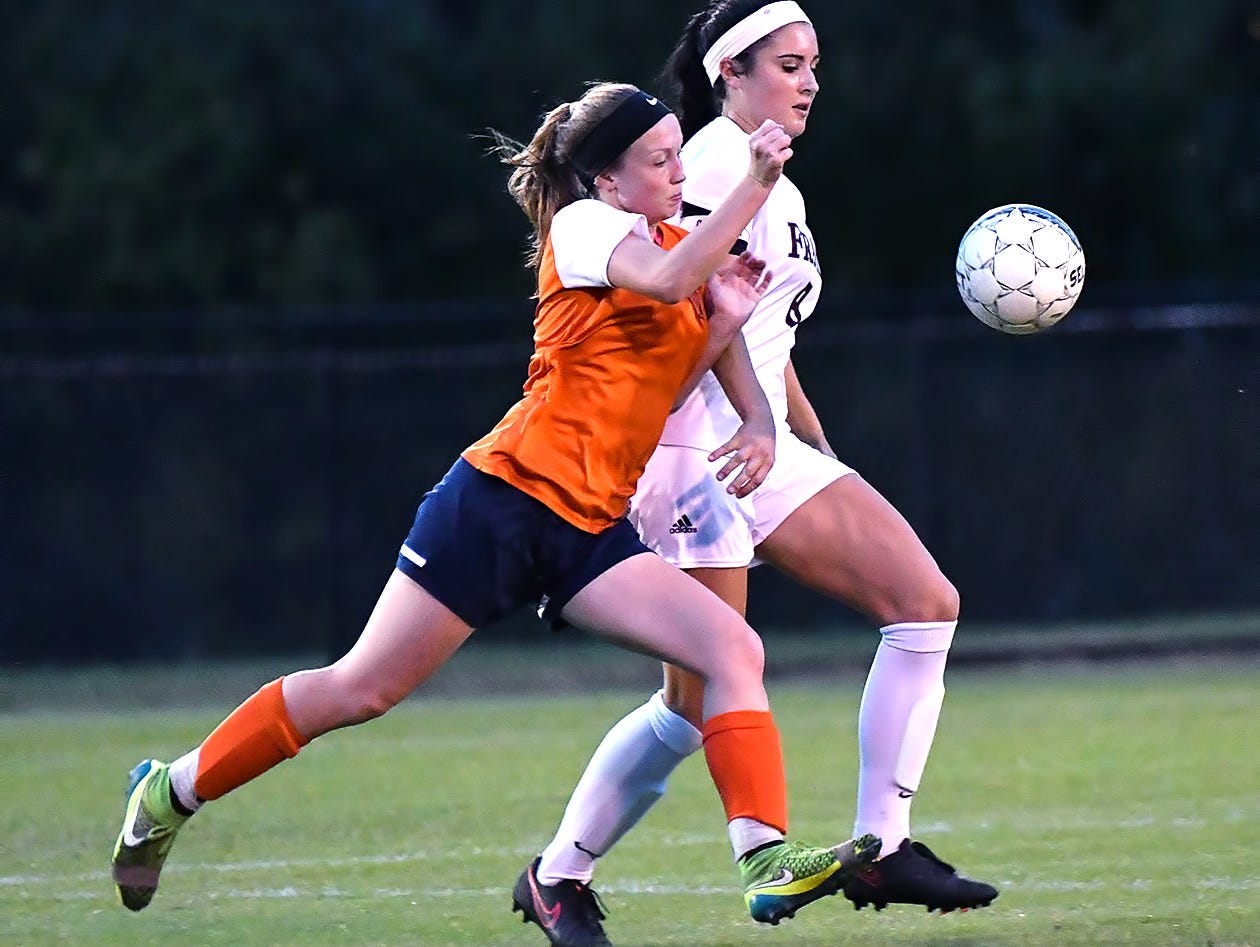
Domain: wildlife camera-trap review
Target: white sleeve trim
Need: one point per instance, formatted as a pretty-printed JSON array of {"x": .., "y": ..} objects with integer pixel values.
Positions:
[{"x": 583, "y": 237}]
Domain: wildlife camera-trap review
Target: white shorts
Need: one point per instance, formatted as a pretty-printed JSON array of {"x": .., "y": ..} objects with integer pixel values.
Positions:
[{"x": 684, "y": 514}]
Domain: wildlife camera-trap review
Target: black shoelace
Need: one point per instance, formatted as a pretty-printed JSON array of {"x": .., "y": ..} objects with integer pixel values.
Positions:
[{"x": 591, "y": 902}]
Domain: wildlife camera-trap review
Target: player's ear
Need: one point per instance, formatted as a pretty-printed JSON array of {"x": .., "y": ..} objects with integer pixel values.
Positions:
[
  {"x": 604, "y": 182},
  {"x": 729, "y": 70}
]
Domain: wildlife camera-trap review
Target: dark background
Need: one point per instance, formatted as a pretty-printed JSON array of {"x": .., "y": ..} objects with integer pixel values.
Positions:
[{"x": 261, "y": 284}]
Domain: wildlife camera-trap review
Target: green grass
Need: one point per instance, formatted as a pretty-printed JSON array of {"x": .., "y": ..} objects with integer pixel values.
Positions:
[{"x": 1112, "y": 806}]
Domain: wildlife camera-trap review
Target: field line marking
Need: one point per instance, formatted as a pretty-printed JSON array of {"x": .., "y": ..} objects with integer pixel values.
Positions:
[
  {"x": 626, "y": 888},
  {"x": 670, "y": 840}
]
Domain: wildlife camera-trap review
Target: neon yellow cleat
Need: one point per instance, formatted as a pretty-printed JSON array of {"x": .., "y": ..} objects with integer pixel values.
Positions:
[
  {"x": 149, "y": 827},
  {"x": 781, "y": 879}
]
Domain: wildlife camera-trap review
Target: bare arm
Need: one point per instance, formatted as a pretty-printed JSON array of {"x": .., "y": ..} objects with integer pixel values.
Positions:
[
  {"x": 734, "y": 372},
  {"x": 802, "y": 418},
  {"x": 722, "y": 334},
  {"x": 752, "y": 446},
  {"x": 731, "y": 295},
  {"x": 670, "y": 277}
]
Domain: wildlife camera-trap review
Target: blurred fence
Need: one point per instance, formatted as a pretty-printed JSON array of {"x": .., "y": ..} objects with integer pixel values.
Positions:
[{"x": 180, "y": 490}]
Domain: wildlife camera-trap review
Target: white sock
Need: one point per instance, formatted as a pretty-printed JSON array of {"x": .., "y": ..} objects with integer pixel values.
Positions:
[
  {"x": 625, "y": 776},
  {"x": 747, "y": 834},
  {"x": 183, "y": 773},
  {"x": 897, "y": 723}
]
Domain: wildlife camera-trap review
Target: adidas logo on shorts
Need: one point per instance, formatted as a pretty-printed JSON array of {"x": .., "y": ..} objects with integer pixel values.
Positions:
[{"x": 683, "y": 525}]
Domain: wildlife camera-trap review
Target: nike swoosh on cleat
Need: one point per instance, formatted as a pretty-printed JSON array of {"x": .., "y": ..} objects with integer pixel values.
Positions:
[
  {"x": 131, "y": 841},
  {"x": 785, "y": 877},
  {"x": 548, "y": 917}
]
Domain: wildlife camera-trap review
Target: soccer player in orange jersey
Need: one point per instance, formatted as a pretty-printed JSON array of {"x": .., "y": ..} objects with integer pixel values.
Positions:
[{"x": 631, "y": 312}]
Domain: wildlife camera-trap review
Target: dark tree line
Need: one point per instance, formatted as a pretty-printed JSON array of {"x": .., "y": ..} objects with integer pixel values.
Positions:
[{"x": 202, "y": 153}]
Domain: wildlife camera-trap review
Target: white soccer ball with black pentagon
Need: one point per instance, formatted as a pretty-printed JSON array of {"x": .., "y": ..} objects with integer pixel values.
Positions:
[{"x": 1020, "y": 268}]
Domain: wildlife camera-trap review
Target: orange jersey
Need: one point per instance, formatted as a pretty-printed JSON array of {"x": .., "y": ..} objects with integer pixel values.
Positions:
[{"x": 607, "y": 367}]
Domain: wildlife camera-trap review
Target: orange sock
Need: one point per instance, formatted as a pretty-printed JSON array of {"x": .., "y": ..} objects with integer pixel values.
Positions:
[
  {"x": 746, "y": 763},
  {"x": 255, "y": 737}
]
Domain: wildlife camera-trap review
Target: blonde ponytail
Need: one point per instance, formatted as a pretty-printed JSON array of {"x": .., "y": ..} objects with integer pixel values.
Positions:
[{"x": 543, "y": 178}]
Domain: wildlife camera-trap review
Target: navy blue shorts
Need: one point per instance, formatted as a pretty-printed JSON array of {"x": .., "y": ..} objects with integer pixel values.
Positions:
[{"x": 483, "y": 549}]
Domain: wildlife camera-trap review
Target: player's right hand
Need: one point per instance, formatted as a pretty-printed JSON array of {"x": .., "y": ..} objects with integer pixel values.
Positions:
[
  {"x": 750, "y": 452},
  {"x": 770, "y": 148}
]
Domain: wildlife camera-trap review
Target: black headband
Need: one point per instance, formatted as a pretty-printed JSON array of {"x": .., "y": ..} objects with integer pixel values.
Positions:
[{"x": 607, "y": 140}]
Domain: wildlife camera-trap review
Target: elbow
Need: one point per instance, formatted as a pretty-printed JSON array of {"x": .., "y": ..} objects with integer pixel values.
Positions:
[
  {"x": 671, "y": 295},
  {"x": 671, "y": 289}
]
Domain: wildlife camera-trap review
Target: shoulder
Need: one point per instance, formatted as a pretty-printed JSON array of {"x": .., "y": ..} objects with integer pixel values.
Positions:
[
  {"x": 589, "y": 214},
  {"x": 715, "y": 160},
  {"x": 721, "y": 138},
  {"x": 584, "y": 235}
]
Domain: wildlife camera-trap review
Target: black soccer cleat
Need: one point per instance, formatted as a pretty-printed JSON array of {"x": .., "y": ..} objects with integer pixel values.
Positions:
[
  {"x": 913, "y": 875},
  {"x": 569, "y": 913}
]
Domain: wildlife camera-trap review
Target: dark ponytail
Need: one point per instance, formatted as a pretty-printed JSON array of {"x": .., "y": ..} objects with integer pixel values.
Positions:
[{"x": 696, "y": 101}]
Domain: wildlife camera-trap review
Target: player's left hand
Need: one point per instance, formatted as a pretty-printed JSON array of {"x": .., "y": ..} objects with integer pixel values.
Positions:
[{"x": 751, "y": 452}]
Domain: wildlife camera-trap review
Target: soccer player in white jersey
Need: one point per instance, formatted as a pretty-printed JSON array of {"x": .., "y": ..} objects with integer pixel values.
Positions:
[{"x": 738, "y": 63}]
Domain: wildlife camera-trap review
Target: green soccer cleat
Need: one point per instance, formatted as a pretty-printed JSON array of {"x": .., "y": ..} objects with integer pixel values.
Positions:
[
  {"x": 782, "y": 878},
  {"x": 149, "y": 827}
]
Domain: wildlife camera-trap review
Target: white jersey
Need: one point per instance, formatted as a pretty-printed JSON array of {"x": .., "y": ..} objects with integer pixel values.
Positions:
[
  {"x": 715, "y": 160},
  {"x": 680, "y": 509}
]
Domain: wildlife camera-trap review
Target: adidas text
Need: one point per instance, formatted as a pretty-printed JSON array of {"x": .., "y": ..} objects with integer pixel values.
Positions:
[{"x": 683, "y": 525}]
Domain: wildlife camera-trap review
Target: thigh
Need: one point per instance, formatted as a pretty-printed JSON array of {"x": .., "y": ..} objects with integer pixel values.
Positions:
[
  {"x": 800, "y": 472},
  {"x": 850, "y": 543},
  {"x": 408, "y": 636},
  {"x": 684, "y": 690},
  {"x": 647, "y": 605},
  {"x": 730, "y": 585}
]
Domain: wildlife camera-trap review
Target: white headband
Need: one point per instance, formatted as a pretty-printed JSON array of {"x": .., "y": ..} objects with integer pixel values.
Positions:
[{"x": 747, "y": 31}]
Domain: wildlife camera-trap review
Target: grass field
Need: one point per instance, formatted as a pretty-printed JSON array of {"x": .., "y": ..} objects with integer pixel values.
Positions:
[{"x": 1118, "y": 805}]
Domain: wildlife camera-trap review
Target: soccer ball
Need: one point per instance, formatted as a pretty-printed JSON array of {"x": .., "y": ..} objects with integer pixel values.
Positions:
[{"x": 1020, "y": 268}]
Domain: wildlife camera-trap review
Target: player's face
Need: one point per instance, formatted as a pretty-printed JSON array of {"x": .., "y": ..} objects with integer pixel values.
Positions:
[
  {"x": 649, "y": 179},
  {"x": 782, "y": 83}
]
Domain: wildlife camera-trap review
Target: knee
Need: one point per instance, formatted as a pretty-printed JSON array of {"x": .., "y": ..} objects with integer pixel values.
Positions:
[
  {"x": 745, "y": 651},
  {"x": 364, "y": 700},
  {"x": 942, "y": 600},
  {"x": 934, "y": 598},
  {"x": 733, "y": 656},
  {"x": 372, "y": 704}
]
